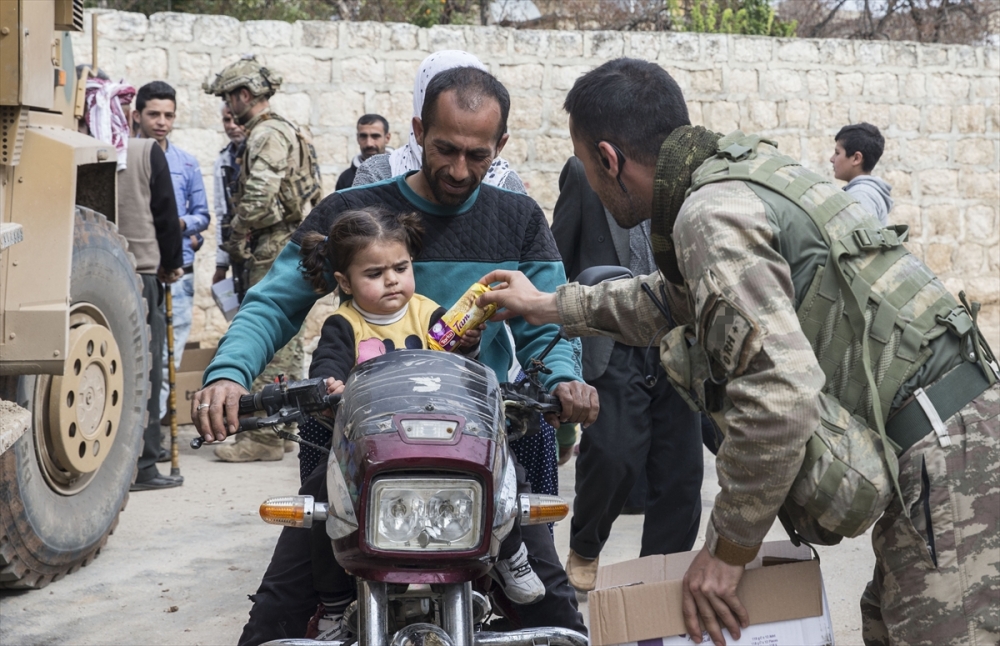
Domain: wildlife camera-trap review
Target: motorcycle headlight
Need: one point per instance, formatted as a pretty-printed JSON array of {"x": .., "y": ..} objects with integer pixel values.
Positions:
[{"x": 415, "y": 514}]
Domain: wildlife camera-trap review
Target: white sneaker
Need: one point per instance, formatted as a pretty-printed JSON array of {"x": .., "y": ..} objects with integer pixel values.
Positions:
[
  {"x": 328, "y": 626},
  {"x": 518, "y": 580}
]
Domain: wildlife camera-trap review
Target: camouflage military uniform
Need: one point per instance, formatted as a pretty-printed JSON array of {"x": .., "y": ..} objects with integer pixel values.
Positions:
[
  {"x": 271, "y": 155},
  {"x": 937, "y": 550}
]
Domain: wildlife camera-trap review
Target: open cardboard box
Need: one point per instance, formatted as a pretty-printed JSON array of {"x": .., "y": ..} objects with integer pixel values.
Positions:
[
  {"x": 639, "y": 601},
  {"x": 187, "y": 381}
]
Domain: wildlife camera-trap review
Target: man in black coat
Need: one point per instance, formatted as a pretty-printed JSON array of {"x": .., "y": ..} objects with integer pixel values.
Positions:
[{"x": 643, "y": 422}]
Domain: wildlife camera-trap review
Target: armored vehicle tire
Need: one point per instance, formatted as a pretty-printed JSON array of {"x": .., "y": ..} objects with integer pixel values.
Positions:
[{"x": 61, "y": 490}]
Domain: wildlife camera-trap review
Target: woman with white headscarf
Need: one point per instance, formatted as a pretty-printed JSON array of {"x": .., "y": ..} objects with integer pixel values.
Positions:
[{"x": 409, "y": 157}]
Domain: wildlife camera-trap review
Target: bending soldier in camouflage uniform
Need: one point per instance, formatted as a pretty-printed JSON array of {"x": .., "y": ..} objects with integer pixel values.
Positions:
[
  {"x": 784, "y": 307},
  {"x": 278, "y": 183}
]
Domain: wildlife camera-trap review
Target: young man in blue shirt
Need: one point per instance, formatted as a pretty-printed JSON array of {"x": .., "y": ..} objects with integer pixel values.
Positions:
[{"x": 155, "y": 111}]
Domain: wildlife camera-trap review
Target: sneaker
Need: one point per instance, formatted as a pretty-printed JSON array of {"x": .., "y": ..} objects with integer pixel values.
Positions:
[
  {"x": 249, "y": 451},
  {"x": 518, "y": 580},
  {"x": 327, "y": 625},
  {"x": 582, "y": 572}
]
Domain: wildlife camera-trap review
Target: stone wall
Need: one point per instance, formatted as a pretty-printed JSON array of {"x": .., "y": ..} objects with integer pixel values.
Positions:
[{"x": 938, "y": 107}]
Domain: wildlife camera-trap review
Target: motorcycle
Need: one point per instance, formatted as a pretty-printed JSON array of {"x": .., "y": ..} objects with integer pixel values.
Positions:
[{"x": 422, "y": 490}]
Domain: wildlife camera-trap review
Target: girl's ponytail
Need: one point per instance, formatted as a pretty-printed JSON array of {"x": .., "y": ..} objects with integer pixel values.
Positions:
[
  {"x": 414, "y": 230},
  {"x": 314, "y": 262}
]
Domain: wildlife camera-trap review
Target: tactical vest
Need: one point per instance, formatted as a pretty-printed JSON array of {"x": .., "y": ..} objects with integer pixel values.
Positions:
[
  {"x": 303, "y": 185},
  {"x": 870, "y": 314}
]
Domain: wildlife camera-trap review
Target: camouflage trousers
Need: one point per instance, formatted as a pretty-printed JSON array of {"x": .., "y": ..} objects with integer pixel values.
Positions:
[
  {"x": 287, "y": 361},
  {"x": 937, "y": 569}
]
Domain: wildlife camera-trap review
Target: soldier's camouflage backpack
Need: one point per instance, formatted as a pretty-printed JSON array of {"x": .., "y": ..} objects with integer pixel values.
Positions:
[{"x": 870, "y": 313}]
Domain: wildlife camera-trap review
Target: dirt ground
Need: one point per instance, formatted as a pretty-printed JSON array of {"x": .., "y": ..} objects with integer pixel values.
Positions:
[{"x": 182, "y": 561}]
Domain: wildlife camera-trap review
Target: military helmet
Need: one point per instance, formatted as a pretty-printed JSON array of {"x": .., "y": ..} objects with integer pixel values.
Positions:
[{"x": 248, "y": 73}]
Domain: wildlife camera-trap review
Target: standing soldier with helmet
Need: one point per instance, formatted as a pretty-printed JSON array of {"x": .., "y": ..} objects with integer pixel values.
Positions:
[{"x": 278, "y": 183}]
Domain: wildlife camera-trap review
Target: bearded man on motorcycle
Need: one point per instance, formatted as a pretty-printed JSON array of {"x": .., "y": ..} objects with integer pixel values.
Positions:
[{"x": 470, "y": 226}]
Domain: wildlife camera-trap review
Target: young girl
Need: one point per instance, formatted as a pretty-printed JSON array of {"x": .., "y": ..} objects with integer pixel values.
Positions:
[{"x": 371, "y": 253}]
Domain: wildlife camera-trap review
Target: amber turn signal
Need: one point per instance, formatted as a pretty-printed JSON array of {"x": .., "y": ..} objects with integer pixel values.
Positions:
[
  {"x": 539, "y": 508},
  {"x": 292, "y": 511}
]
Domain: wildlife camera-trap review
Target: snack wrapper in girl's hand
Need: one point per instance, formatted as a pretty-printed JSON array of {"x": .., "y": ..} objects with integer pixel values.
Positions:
[{"x": 463, "y": 316}]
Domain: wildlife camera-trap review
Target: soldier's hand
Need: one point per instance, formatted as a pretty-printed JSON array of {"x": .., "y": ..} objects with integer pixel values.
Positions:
[
  {"x": 710, "y": 598},
  {"x": 219, "y": 275},
  {"x": 516, "y": 295},
  {"x": 215, "y": 409},
  {"x": 579, "y": 403}
]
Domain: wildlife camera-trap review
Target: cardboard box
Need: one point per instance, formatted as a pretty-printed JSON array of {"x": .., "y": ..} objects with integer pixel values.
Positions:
[
  {"x": 225, "y": 297},
  {"x": 187, "y": 381},
  {"x": 639, "y": 601}
]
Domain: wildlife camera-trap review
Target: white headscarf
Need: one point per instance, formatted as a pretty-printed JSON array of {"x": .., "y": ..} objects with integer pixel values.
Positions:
[
  {"x": 409, "y": 157},
  {"x": 104, "y": 115}
]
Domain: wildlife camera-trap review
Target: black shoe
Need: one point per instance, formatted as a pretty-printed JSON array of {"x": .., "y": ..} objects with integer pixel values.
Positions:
[
  {"x": 159, "y": 482},
  {"x": 164, "y": 456}
]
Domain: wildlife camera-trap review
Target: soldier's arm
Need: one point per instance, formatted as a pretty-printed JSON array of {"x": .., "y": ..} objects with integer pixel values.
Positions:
[
  {"x": 267, "y": 164},
  {"x": 745, "y": 316}
]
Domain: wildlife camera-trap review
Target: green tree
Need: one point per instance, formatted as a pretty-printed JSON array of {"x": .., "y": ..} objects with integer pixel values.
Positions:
[{"x": 750, "y": 17}]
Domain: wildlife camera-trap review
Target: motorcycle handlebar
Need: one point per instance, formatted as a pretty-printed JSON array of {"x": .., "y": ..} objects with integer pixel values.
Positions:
[{"x": 294, "y": 406}]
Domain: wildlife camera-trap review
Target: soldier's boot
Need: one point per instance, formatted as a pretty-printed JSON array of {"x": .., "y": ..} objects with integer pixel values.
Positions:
[
  {"x": 582, "y": 572},
  {"x": 251, "y": 448}
]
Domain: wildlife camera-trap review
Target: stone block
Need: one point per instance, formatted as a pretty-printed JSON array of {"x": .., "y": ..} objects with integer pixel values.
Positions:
[
  {"x": 993, "y": 120},
  {"x": 403, "y": 73},
  {"x": 564, "y": 76},
  {"x": 789, "y": 145},
  {"x": 836, "y": 52},
  {"x": 204, "y": 144},
  {"x": 706, "y": 81},
  {"x": 938, "y": 257},
  {"x": 543, "y": 186},
  {"x": 978, "y": 152},
  {"x": 301, "y": 68},
  {"x": 333, "y": 149},
  {"x": 870, "y": 53},
  {"x": 362, "y": 70},
  {"x": 171, "y": 27},
  {"x": 991, "y": 58},
  {"x": 796, "y": 50},
  {"x": 644, "y": 45},
  {"x": 268, "y": 33},
  {"x": 294, "y": 106},
  {"x": 522, "y": 77},
  {"x": 193, "y": 67},
  {"x": 531, "y": 42},
  {"x": 741, "y": 81},
  {"x": 117, "y": 25},
  {"x": 781, "y": 82},
  {"x": 403, "y": 36},
  {"x": 905, "y": 117},
  {"x": 881, "y": 85},
  {"x": 526, "y": 112},
  {"x": 695, "y": 114},
  {"x": 341, "y": 109},
  {"x": 948, "y": 86},
  {"x": 913, "y": 86},
  {"x": 980, "y": 222},
  {"x": 145, "y": 65},
  {"x": 753, "y": 49},
  {"x": 553, "y": 150},
  {"x": 516, "y": 151},
  {"x": 397, "y": 108},
  {"x": 722, "y": 116},
  {"x": 683, "y": 78},
  {"x": 899, "y": 180},
  {"x": 715, "y": 48},
  {"x": 938, "y": 182},
  {"x": 908, "y": 214},
  {"x": 679, "y": 46},
  {"x": 440, "y": 37},
  {"x": 364, "y": 36},
  {"x": 979, "y": 186},
  {"x": 761, "y": 115},
  {"x": 900, "y": 54},
  {"x": 873, "y": 113},
  {"x": 604, "y": 44},
  {"x": 322, "y": 34},
  {"x": 970, "y": 118},
  {"x": 566, "y": 44},
  {"x": 850, "y": 84},
  {"x": 832, "y": 116},
  {"x": 943, "y": 223},
  {"x": 195, "y": 109},
  {"x": 921, "y": 153},
  {"x": 987, "y": 87},
  {"x": 963, "y": 57},
  {"x": 933, "y": 55},
  {"x": 489, "y": 42},
  {"x": 217, "y": 31},
  {"x": 816, "y": 154},
  {"x": 794, "y": 113},
  {"x": 937, "y": 118},
  {"x": 818, "y": 83}
]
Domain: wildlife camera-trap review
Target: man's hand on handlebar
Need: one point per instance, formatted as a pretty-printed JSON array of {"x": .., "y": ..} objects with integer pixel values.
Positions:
[
  {"x": 215, "y": 409},
  {"x": 333, "y": 387},
  {"x": 579, "y": 403}
]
